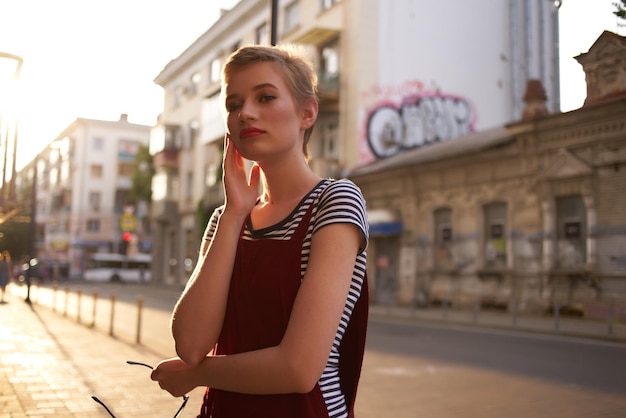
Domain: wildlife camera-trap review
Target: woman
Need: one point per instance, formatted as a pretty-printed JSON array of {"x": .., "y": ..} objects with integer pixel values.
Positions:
[
  {"x": 272, "y": 320},
  {"x": 6, "y": 271}
]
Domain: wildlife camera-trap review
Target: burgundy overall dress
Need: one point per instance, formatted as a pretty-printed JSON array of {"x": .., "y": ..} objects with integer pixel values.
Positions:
[{"x": 266, "y": 277}]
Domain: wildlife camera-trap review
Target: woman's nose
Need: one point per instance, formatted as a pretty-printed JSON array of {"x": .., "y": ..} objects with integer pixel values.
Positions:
[{"x": 246, "y": 112}]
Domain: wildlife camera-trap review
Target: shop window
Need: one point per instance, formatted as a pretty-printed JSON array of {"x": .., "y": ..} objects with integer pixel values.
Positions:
[
  {"x": 495, "y": 252},
  {"x": 571, "y": 231}
]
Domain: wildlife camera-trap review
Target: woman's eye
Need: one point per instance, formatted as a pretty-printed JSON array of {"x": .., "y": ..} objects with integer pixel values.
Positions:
[
  {"x": 231, "y": 107},
  {"x": 266, "y": 98}
]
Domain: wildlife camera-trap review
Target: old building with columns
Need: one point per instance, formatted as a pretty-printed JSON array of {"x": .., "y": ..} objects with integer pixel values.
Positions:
[{"x": 520, "y": 216}]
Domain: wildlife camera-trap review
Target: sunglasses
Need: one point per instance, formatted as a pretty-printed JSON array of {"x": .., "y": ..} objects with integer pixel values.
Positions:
[{"x": 136, "y": 363}]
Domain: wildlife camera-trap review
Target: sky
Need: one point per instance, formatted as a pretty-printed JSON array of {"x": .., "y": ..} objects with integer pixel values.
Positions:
[{"x": 97, "y": 59}]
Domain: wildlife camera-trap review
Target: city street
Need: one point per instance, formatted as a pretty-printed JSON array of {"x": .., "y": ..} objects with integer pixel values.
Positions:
[{"x": 412, "y": 368}]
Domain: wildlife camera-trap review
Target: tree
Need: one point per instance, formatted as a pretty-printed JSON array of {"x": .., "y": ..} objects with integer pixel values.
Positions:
[
  {"x": 141, "y": 187},
  {"x": 620, "y": 10}
]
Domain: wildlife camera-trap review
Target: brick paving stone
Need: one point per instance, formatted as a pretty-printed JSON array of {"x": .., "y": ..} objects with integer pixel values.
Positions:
[{"x": 50, "y": 366}]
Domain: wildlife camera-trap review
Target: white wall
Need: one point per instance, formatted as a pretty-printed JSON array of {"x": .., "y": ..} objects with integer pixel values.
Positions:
[{"x": 449, "y": 68}]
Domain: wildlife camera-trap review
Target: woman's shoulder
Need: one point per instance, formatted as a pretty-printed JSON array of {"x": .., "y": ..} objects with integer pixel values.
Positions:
[{"x": 340, "y": 189}]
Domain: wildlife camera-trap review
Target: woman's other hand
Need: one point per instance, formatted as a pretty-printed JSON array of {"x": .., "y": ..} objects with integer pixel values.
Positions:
[{"x": 175, "y": 376}]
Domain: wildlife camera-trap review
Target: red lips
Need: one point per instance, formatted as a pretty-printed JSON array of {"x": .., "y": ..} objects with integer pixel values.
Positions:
[{"x": 250, "y": 132}]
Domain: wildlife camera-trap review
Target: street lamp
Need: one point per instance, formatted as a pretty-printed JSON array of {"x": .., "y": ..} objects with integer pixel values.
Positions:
[{"x": 4, "y": 141}]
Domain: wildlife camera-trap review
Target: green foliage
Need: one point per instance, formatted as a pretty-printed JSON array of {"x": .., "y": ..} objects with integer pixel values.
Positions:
[
  {"x": 141, "y": 187},
  {"x": 15, "y": 236},
  {"x": 202, "y": 216},
  {"x": 620, "y": 9}
]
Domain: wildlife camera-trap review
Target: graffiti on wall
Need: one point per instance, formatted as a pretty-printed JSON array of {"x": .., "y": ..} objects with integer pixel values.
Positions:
[{"x": 414, "y": 119}]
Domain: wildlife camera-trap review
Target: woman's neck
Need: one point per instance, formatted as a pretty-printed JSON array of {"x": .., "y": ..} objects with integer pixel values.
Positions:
[{"x": 287, "y": 185}]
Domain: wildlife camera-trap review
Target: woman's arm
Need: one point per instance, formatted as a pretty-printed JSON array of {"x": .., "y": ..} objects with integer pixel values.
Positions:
[
  {"x": 296, "y": 364},
  {"x": 199, "y": 314}
]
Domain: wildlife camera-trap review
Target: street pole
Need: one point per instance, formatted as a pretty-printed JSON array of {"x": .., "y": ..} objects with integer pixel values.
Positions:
[
  {"x": 274, "y": 24},
  {"x": 5, "y": 141},
  {"x": 33, "y": 230}
]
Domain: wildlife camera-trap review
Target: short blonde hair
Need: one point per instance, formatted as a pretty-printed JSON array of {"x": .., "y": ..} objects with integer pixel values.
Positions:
[{"x": 297, "y": 69}]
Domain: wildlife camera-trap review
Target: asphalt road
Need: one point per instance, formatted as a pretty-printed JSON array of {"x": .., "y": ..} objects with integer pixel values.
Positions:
[{"x": 414, "y": 369}]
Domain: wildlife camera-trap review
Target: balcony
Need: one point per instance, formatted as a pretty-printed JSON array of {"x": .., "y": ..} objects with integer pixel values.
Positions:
[
  {"x": 166, "y": 159},
  {"x": 316, "y": 36},
  {"x": 328, "y": 89}
]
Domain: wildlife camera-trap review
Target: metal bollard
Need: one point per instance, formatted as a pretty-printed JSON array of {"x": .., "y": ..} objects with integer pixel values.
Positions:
[
  {"x": 79, "y": 293},
  {"x": 139, "y": 311},
  {"x": 55, "y": 286},
  {"x": 112, "y": 319},
  {"x": 67, "y": 292},
  {"x": 610, "y": 317},
  {"x": 93, "y": 308},
  {"x": 556, "y": 316},
  {"x": 475, "y": 311}
]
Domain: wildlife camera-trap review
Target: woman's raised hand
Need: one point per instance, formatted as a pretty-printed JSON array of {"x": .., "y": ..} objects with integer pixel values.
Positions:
[{"x": 240, "y": 192}]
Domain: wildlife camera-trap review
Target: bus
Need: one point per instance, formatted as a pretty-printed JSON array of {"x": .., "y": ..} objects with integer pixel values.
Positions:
[{"x": 118, "y": 268}]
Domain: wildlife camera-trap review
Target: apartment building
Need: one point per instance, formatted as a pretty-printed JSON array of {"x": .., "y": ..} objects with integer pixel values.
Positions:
[
  {"x": 394, "y": 76},
  {"x": 82, "y": 193}
]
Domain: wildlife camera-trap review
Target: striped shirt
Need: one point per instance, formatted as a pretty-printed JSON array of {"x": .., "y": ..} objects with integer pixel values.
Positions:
[{"x": 334, "y": 201}]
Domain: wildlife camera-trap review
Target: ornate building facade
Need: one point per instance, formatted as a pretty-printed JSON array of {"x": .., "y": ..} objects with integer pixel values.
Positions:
[{"x": 524, "y": 215}]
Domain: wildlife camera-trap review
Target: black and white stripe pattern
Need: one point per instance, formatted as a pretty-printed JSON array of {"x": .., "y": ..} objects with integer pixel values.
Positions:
[{"x": 335, "y": 201}]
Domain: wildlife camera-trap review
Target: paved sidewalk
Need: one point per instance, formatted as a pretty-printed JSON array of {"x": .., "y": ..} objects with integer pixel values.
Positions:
[{"x": 50, "y": 366}]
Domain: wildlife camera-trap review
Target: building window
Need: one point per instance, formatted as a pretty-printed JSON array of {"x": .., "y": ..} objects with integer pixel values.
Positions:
[
  {"x": 125, "y": 169},
  {"x": 159, "y": 186},
  {"x": 260, "y": 35},
  {"x": 194, "y": 83},
  {"x": 96, "y": 171},
  {"x": 93, "y": 225},
  {"x": 194, "y": 130},
  {"x": 97, "y": 144},
  {"x": 327, "y": 4},
  {"x": 495, "y": 253},
  {"x": 443, "y": 238},
  {"x": 292, "y": 16},
  {"x": 212, "y": 174},
  {"x": 330, "y": 60},
  {"x": 571, "y": 218},
  {"x": 327, "y": 144},
  {"x": 215, "y": 70},
  {"x": 189, "y": 186},
  {"x": 94, "y": 201},
  {"x": 178, "y": 95}
]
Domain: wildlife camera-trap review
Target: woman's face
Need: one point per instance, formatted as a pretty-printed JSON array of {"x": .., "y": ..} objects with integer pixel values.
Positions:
[{"x": 262, "y": 117}]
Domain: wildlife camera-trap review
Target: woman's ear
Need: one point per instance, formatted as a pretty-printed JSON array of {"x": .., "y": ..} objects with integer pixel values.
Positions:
[{"x": 309, "y": 113}]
